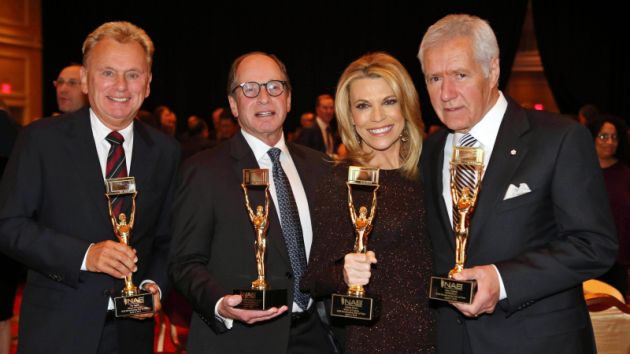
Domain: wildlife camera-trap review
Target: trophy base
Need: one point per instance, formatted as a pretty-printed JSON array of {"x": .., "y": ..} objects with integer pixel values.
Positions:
[
  {"x": 261, "y": 299},
  {"x": 140, "y": 303},
  {"x": 451, "y": 290},
  {"x": 353, "y": 307}
]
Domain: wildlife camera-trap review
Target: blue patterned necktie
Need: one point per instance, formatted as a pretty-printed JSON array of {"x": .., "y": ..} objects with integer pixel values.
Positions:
[
  {"x": 465, "y": 176},
  {"x": 291, "y": 227}
]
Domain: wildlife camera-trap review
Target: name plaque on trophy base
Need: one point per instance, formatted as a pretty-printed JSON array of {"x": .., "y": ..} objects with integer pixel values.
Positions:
[
  {"x": 354, "y": 307},
  {"x": 451, "y": 290},
  {"x": 254, "y": 299},
  {"x": 133, "y": 304}
]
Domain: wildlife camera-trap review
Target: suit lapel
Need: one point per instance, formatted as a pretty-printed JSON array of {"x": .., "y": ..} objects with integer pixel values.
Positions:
[
  {"x": 509, "y": 150},
  {"x": 437, "y": 161},
  {"x": 82, "y": 152},
  {"x": 243, "y": 158},
  {"x": 143, "y": 156}
]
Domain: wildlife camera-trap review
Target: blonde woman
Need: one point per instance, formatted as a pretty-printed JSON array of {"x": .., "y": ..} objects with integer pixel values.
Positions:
[{"x": 379, "y": 120}]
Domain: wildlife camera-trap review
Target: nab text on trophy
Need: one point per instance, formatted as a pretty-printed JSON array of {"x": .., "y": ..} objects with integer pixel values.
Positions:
[
  {"x": 355, "y": 304},
  {"x": 133, "y": 300},
  {"x": 466, "y": 171},
  {"x": 260, "y": 296}
]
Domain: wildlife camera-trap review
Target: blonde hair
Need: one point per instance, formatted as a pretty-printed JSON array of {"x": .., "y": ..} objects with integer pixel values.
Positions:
[
  {"x": 122, "y": 32},
  {"x": 384, "y": 66}
]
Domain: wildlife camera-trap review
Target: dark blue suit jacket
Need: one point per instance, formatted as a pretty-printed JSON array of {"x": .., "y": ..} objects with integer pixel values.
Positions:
[
  {"x": 544, "y": 243},
  {"x": 52, "y": 207}
]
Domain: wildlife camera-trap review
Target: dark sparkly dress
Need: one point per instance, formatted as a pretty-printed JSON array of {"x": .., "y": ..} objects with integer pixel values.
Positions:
[{"x": 400, "y": 278}]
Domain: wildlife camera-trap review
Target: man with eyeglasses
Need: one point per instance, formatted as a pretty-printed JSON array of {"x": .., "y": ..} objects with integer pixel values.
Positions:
[
  {"x": 70, "y": 98},
  {"x": 212, "y": 251}
]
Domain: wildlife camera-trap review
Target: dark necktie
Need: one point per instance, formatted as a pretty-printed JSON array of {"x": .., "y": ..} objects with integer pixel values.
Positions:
[
  {"x": 116, "y": 165},
  {"x": 329, "y": 141},
  {"x": 465, "y": 176},
  {"x": 291, "y": 227}
]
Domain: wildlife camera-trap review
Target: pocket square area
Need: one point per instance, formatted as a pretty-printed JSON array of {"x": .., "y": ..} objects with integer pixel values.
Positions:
[{"x": 514, "y": 191}]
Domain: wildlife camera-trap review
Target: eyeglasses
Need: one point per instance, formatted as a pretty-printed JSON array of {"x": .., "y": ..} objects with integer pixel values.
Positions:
[
  {"x": 251, "y": 89},
  {"x": 605, "y": 137},
  {"x": 69, "y": 82}
]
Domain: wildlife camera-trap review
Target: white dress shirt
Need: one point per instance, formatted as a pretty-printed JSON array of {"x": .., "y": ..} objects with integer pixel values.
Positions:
[
  {"x": 485, "y": 131},
  {"x": 260, "y": 150},
  {"x": 328, "y": 143},
  {"x": 100, "y": 131}
]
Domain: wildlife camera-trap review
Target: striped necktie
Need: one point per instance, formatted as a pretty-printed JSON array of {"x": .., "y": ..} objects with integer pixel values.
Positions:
[
  {"x": 465, "y": 176},
  {"x": 116, "y": 165}
]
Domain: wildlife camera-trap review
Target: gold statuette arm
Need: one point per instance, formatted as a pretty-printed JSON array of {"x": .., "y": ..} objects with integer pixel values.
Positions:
[{"x": 353, "y": 213}]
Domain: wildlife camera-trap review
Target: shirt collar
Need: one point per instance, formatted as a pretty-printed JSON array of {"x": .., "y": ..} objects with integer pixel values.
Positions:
[
  {"x": 486, "y": 130},
  {"x": 260, "y": 149},
  {"x": 101, "y": 131},
  {"x": 322, "y": 125}
]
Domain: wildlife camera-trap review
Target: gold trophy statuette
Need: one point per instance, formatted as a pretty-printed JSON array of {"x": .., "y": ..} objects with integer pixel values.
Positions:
[
  {"x": 354, "y": 304},
  {"x": 260, "y": 296},
  {"x": 470, "y": 161},
  {"x": 133, "y": 300}
]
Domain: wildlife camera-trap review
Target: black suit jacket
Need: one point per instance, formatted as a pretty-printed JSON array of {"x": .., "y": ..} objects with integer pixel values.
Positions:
[
  {"x": 52, "y": 207},
  {"x": 213, "y": 245},
  {"x": 313, "y": 138},
  {"x": 544, "y": 243}
]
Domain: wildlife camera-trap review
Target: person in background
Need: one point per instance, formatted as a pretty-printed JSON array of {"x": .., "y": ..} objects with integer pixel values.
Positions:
[
  {"x": 212, "y": 251},
  {"x": 378, "y": 112},
  {"x": 307, "y": 119},
  {"x": 215, "y": 116},
  {"x": 611, "y": 147},
  {"x": 197, "y": 139},
  {"x": 54, "y": 214},
  {"x": 148, "y": 118},
  {"x": 321, "y": 136},
  {"x": 541, "y": 224},
  {"x": 588, "y": 114},
  {"x": 70, "y": 98},
  {"x": 226, "y": 127},
  {"x": 167, "y": 120}
]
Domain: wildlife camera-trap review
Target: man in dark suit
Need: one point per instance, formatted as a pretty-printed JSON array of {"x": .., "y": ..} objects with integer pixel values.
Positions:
[
  {"x": 541, "y": 224},
  {"x": 54, "y": 215},
  {"x": 212, "y": 251},
  {"x": 321, "y": 136}
]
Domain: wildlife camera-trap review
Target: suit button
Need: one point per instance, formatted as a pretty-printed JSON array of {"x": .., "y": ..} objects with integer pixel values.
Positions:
[
  {"x": 459, "y": 320},
  {"x": 107, "y": 292}
]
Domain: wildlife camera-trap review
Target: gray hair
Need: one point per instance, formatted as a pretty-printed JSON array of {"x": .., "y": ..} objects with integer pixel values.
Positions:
[{"x": 484, "y": 42}]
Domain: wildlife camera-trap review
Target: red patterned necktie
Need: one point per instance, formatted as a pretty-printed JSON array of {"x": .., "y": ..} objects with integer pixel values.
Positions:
[{"x": 116, "y": 165}]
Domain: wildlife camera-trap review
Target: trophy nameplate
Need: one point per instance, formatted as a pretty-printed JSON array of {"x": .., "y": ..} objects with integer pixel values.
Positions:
[
  {"x": 133, "y": 301},
  {"x": 448, "y": 289},
  {"x": 120, "y": 186},
  {"x": 260, "y": 296},
  {"x": 355, "y": 304}
]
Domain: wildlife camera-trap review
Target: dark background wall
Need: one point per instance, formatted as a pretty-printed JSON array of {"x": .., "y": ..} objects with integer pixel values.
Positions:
[{"x": 315, "y": 39}]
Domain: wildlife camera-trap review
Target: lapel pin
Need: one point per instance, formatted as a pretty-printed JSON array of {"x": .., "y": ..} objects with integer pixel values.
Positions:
[{"x": 513, "y": 152}]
